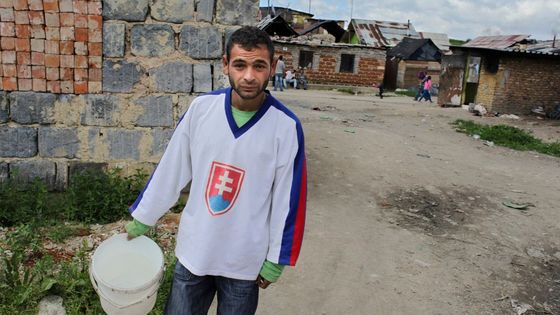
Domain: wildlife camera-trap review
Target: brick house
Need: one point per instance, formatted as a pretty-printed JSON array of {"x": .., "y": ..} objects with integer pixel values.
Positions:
[
  {"x": 334, "y": 63},
  {"x": 508, "y": 80}
]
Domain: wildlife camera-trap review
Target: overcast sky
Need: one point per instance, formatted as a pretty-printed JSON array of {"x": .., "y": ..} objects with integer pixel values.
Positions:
[{"x": 460, "y": 19}]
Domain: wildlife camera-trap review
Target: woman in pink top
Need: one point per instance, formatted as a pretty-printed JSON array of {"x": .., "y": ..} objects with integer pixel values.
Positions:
[{"x": 426, "y": 92}]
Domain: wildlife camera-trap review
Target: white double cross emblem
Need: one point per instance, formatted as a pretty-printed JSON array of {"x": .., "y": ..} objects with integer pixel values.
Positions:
[{"x": 223, "y": 185}]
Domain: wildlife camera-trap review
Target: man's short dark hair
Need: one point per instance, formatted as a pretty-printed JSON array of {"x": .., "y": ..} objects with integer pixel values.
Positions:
[{"x": 250, "y": 37}]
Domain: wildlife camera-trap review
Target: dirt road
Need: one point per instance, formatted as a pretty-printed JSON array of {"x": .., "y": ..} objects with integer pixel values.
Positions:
[{"x": 405, "y": 215}]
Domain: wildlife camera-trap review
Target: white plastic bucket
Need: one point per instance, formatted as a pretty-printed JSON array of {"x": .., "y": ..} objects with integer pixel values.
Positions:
[{"x": 126, "y": 274}]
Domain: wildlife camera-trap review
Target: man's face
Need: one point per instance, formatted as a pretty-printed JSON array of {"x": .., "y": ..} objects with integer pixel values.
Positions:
[{"x": 248, "y": 71}]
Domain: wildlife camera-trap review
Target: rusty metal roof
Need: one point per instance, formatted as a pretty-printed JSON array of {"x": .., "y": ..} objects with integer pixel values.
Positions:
[
  {"x": 382, "y": 33},
  {"x": 496, "y": 42}
]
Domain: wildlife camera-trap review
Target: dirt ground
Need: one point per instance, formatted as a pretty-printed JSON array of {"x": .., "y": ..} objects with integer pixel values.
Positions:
[{"x": 405, "y": 215}]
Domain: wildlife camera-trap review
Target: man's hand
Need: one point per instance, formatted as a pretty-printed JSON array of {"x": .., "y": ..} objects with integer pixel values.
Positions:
[
  {"x": 135, "y": 228},
  {"x": 262, "y": 282}
]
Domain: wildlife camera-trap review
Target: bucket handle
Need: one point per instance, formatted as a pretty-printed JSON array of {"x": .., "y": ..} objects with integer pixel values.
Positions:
[{"x": 100, "y": 293}]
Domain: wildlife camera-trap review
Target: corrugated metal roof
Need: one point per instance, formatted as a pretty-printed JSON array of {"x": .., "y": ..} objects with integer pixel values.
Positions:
[
  {"x": 496, "y": 42},
  {"x": 441, "y": 40},
  {"x": 382, "y": 33}
]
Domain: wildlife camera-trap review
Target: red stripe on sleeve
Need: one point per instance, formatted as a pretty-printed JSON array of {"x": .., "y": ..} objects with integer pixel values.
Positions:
[{"x": 300, "y": 217}]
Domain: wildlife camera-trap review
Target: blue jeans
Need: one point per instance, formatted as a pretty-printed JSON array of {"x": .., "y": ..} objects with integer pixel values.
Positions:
[
  {"x": 278, "y": 82},
  {"x": 192, "y": 295}
]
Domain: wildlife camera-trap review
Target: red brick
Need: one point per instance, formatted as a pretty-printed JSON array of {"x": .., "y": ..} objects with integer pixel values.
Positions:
[
  {"x": 81, "y": 34},
  {"x": 94, "y": 7},
  {"x": 80, "y": 20},
  {"x": 66, "y": 47},
  {"x": 67, "y": 33},
  {"x": 8, "y": 43},
  {"x": 9, "y": 57},
  {"x": 39, "y": 85},
  {"x": 80, "y": 87},
  {"x": 94, "y": 87},
  {"x": 80, "y": 74},
  {"x": 24, "y": 71},
  {"x": 6, "y": 4},
  {"x": 95, "y": 49},
  {"x": 67, "y": 86},
  {"x": 38, "y": 72},
  {"x": 95, "y": 75},
  {"x": 20, "y": 4},
  {"x": 37, "y": 58},
  {"x": 37, "y": 45},
  {"x": 53, "y": 73},
  {"x": 37, "y": 31},
  {"x": 67, "y": 61},
  {"x": 9, "y": 70},
  {"x": 53, "y": 86},
  {"x": 9, "y": 84},
  {"x": 95, "y": 62},
  {"x": 36, "y": 5},
  {"x": 22, "y": 44},
  {"x": 50, "y": 5},
  {"x": 23, "y": 31},
  {"x": 7, "y": 29},
  {"x": 66, "y": 74},
  {"x": 36, "y": 18},
  {"x": 80, "y": 48},
  {"x": 95, "y": 22},
  {"x": 52, "y": 60},
  {"x": 7, "y": 15},
  {"x": 52, "y": 19},
  {"x": 1, "y": 83},
  {"x": 80, "y": 7},
  {"x": 25, "y": 84},
  {"x": 51, "y": 46},
  {"x": 81, "y": 62},
  {"x": 66, "y": 19},
  {"x": 52, "y": 33},
  {"x": 23, "y": 58},
  {"x": 95, "y": 36}
]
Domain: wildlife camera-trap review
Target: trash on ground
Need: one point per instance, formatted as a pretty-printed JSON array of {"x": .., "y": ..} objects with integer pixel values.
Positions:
[
  {"x": 509, "y": 116},
  {"x": 477, "y": 109},
  {"x": 476, "y": 137},
  {"x": 556, "y": 113},
  {"x": 350, "y": 130},
  {"x": 520, "y": 308},
  {"x": 423, "y": 155},
  {"x": 539, "y": 110},
  {"x": 488, "y": 143},
  {"x": 516, "y": 205},
  {"x": 326, "y": 118}
]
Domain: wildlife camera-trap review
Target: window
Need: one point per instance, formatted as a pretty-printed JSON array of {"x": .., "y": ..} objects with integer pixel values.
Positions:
[
  {"x": 346, "y": 63},
  {"x": 305, "y": 59}
]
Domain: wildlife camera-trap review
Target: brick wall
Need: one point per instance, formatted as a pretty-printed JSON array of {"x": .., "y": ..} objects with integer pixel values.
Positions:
[
  {"x": 369, "y": 63},
  {"x": 156, "y": 56},
  {"x": 521, "y": 83}
]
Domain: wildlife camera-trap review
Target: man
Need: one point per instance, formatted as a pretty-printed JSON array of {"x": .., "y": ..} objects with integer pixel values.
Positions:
[
  {"x": 278, "y": 73},
  {"x": 290, "y": 79},
  {"x": 243, "y": 152}
]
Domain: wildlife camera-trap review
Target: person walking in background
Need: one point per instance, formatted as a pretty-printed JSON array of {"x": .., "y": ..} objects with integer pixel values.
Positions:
[
  {"x": 279, "y": 73},
  {"x": 381, "y": 88},
  {"x": 422, "y": 77},
  {"x": 426, "y": 93},
  {"x": 243, "y": 153}
]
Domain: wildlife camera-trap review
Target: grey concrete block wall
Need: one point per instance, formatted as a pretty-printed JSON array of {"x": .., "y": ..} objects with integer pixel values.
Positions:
[{"x": 158, "y": 55}]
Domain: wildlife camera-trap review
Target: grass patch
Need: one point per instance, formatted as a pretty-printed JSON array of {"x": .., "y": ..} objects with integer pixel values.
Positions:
[
  {"x": 508, "y": 136},
  {"x": 348, "y": 91}
]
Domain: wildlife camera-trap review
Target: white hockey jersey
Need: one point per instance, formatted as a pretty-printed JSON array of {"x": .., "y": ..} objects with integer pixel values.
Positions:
[{"x": 248, "y": 192}]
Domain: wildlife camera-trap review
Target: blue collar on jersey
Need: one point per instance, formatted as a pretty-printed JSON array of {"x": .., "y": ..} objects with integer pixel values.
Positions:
[{"x": 238, "y": 131}]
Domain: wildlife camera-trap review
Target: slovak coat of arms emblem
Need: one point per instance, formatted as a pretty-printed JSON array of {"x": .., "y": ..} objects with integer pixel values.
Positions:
[{"x": 224, "y": 184}]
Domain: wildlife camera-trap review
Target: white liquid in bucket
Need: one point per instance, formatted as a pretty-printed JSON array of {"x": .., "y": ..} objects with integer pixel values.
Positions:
[{"x": 129, "y": 270}]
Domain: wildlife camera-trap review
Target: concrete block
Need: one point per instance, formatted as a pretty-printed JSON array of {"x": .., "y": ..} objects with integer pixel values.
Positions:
[
  {"x": 126, "y": 10},
  {"x": 120, "y": 76},
  {"x": 77, "y": 167},
  {"x": 18, "y": 142},
  {"x": 235, "y": 12},
  {"x": 113, "y": 39},
  {"x": 183, "y": 105},
  {"x": 220, "y": 79},
  {"x": 100, "y": 110},
  {"x": 160, "y": 139},
  {"x": 61, "y": 180},
  {"x": 201, "y": 42},
  {"x": 4, "y": 171},
  {"x": 124, "y": 144},
  {"x": 58, "y": 142},
  {"x": 202, "y": 74},
  {"x": 172, "y": 10},
  {"x": 157, "y": 111},
  {"x": 32, "y": 108},
  {"x": 152, "y": 40},
  {"x": 27, "y": 171},
  {"x": 173, "y": 77},
  {"x": 205, "y": 10},
  {"x": 4, "y": 107}
]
